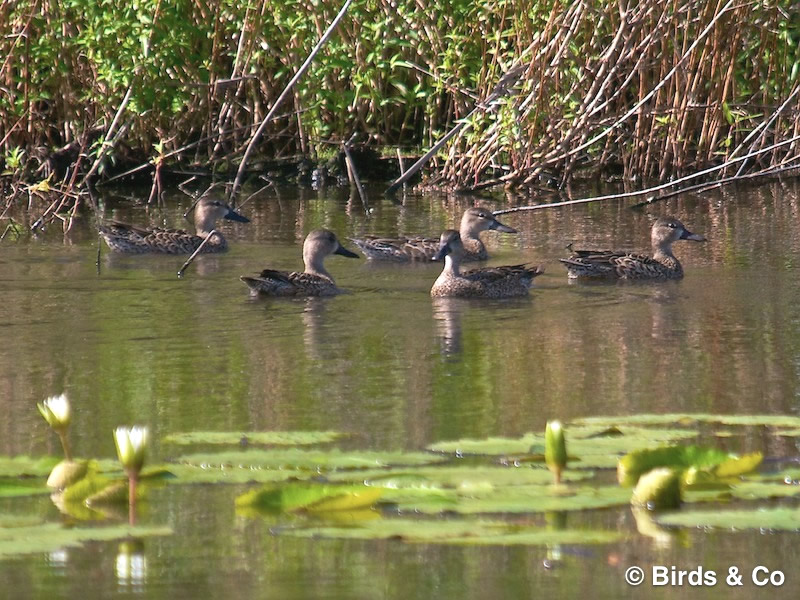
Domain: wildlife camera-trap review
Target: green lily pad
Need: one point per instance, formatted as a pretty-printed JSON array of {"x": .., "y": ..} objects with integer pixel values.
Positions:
[
  {"x": 275, "y": 438},
  {"x": 455, "y": 532},
  {"x": 311, "y": 497},
  {"x": 12, "y": 488},
  {"x": 311, "y": 460},
  {"x": 717, "y": 462},
  {"x": 189, "y": 474},
  {"x": 758, "y": 518},
  {"x": 514, "y": 499},
  {"x": 688, "y": 418},
  {"x": 588, "y": 446},
  {"x": 27, "y": 466},
  {"x": 757, "y": 490},
  {"x": 46, "y": 537},
  {"x": 460, "y": 476},
  {"x": 90, "y": 485}
]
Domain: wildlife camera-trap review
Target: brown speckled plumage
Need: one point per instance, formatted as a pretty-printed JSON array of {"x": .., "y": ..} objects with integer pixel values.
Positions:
[
  {"x": 492, "y": 282},
  {"x": 131, "y": 239},
  {"x": 314, "y": 281},
  {"x": 473, "y": 222},
  {"x": 605, "y": 264}
]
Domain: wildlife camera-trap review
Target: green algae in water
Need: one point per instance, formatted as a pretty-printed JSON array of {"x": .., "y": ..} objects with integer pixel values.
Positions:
[
  {"x": 462, "y": 532},
  {"x": 273, "y": 438},
  {"x": 787, "y": 519},
  {"x": 310, "y": 460}
]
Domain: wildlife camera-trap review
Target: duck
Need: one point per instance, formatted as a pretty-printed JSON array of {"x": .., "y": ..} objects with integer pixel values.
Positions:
[
  {"x": 473, "y": 222},
  {"x": 314, "y": 281},
  {"x": 605, "y": 264},
  {"x": 509, "y": 281},
  {"x": 132, "y": 239}
]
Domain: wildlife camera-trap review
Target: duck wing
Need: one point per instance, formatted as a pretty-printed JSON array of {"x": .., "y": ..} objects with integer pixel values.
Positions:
[
  {"x": 124, "y": 237},
  {"x": 496, "y": 274},
  {"x": 285, "y": 283},
  {"x": 607, "y": 263}
]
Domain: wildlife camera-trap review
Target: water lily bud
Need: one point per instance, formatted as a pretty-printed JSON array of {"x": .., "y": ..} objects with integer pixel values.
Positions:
[
  {"x": 56, "y": 411},
  {"x": 555, "y": 448},
  {"x": 131, "y": 444}
]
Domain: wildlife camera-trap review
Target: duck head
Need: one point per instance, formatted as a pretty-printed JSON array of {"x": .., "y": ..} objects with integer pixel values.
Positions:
[{"x": 477, "y": 219}]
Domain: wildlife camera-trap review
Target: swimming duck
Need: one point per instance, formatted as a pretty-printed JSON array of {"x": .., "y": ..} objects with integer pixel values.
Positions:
[
  {"x": 314, "y": 281},
  {"x": 491, "y": 282},
  {"x": 627, "y": 265},
  {"x": 131, "y": 239},
  {"x": 473, "y": 221}
]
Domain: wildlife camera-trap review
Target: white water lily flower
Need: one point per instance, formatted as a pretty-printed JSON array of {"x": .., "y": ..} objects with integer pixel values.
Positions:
[
  {"x": 56, "y": 411},
  {"x": 131, "y": 444}
]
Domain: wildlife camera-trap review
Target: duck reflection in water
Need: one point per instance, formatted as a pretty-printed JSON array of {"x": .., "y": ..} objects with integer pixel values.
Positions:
[{"x": 447, "y": 316}]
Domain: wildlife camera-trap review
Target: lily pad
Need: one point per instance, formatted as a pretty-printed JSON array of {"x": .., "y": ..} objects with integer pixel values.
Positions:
[
  {"x": 12, "y": 488},
  {"x": 717, "y": 462},
  {"x": 757, "y": 490},
  {"x": 311, "y": 497},
  {"x": 275, "y": 438},
  {"x": 758, "y": 518},
  {"x": 588, "y": 446},
  {"x": 688, "y": 418},
  {"x": 456, "y": 532},
  {"x": 189, "y": 474},
  {"x": 27, "y": 466},
  {"x": 310, "y": 460},
  {"x": 47, "y": 537},
  {"x": 460, "y": 476},
  {"x": 515, "y": 499}
]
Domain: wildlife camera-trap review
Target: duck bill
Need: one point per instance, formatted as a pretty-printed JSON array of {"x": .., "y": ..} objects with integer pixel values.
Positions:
[
  {"x": 498, "y": 226},
  {"x": 443, "y": 251},
  {"x": 694, "y": 237},
  {"x": 341, "y": 250},
  {"x": 232, "y": 215}
]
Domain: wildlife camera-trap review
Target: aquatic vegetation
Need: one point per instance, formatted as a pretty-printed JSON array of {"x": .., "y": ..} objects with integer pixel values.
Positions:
[
  {"x": 658, "y": 489},
  {"x": 687, "y": 419},
  {"x": 273, "y": 438},
  {"x": 555, "y": 449},
  {"x": 472, "y": 532},
  {"x": 57, "y": 411},
  {"x": 755, "y": 518},
  {"x": 590, "y": 446},
  {"x": 21, "y": 536},
  {"x": 311, "y": 460},
  {"x": 694, "y": 460},
  {"x": 359, "y": 494},
  {"x": 310, "y": 497}
]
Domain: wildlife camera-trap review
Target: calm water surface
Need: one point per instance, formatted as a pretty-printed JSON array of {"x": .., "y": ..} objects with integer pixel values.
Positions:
[{"x": 131, "y": 343}]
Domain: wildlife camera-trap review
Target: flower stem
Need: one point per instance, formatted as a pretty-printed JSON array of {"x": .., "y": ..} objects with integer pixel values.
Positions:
[
  {"x": 132, "y": 480},
  {"x": 62, "y": 434}
]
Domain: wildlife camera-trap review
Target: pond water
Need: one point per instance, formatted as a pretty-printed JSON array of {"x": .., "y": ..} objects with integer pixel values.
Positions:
[{"x": 129, "y": 342}]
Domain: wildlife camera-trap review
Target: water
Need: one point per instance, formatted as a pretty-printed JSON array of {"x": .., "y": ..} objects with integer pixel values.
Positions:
[{"x": 132, "y": 343}]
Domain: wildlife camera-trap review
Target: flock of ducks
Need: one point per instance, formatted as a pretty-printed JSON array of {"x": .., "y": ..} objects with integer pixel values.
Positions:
[{"x": 453, "y": 247}]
